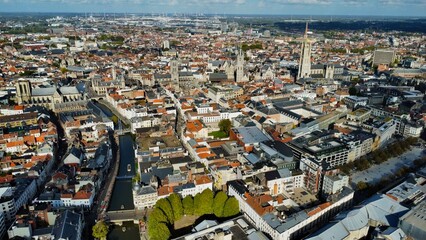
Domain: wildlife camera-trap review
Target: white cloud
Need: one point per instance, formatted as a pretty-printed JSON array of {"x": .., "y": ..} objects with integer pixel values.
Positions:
[
  {"x": 220, "y": 4},
  {"x": 150, "y": 2},
  {"x": 304, "y": 2},
  {"x": 403, "y": 2}
]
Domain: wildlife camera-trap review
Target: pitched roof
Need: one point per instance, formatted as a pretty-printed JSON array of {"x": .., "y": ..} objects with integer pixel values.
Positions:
[
  {"x": 82, "y": 194},
  {"x": 67, "y": 225}
]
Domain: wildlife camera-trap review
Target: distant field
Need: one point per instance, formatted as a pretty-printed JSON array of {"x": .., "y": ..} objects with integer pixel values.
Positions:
[{"x": 404, "y": 25}]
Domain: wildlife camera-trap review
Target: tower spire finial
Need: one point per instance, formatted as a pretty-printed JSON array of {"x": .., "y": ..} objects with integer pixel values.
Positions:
[{"x": 306, "y": 30}]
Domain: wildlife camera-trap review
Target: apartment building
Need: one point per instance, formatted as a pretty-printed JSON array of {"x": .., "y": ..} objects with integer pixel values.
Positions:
[{"x": 293, "y": 226}]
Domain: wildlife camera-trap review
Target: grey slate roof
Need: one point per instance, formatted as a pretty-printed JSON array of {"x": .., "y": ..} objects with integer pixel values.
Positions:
[
  {"x": 43, "y": 91},
  {"x": 378, "y": 208},
  {"x": 162, "y": 173},
  {"x": 69, "y": 90},
  {"x": 146, "y": 190},
  {"x": 252, "y": 158},
  {"x": 251, "y": 135},
  {"x": 66, "y": 226},
  {"x": 383, "y": 56}
]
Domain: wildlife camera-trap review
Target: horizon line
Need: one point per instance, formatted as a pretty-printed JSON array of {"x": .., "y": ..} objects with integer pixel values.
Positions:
[{"x": 213, "y": 14}]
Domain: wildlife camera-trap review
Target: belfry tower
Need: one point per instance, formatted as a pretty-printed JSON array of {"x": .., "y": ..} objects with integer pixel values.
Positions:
[
  {"x": 23, "y": 91},
  {"x": 240, "y": 67},
  {"x": 174, "y": 73},
  {"x": 305, "y": 57}
]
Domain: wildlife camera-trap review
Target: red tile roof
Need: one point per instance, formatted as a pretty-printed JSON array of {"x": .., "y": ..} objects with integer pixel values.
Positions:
[{"x": 82, "y": 195}]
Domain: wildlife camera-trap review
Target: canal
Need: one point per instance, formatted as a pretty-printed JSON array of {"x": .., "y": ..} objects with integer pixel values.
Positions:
[
  {"x": 122, "y": 195},
  {"x": 96, "y": 106},
  {"x": 127, "y": 157},
  {"x": 128, "y": 231}
]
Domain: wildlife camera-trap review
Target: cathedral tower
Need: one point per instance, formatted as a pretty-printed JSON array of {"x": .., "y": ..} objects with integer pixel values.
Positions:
[
  {"x": 23, "y": 92},
  {"x": 174, "y": 73},
  {"x": 305, "y": 57},
  {"x": 240, "y": 67}
]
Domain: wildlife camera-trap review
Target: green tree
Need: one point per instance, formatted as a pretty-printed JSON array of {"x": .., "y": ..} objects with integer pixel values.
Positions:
[
  {"x": 399, "y": 149},
  {"x": 64, "y": 70},
  {"x": 176, "y": 203},
  {"x": 362, "y": 164},
  {"x": 402, "y": 171},
  {"x": 158, "y": 231},
  {"x": 344, "y": 168},
  {"x": 411, "y": 140},
  {"x": 137, "y": 178},
  {"x": 197, "y": 204},
  {"x": 419, "y": 162},
  {"x": 188, "y": 205},
  {"x": 100, "y": 230},
  {"x": 165, "y": 206},
  {"x": 206, "y": 203},
  {"x": 225, "y": 125},
  {"x": 27, "y": 73},
  {"x": 157, "y": 215},
  {"x": 394, "y": 150},
  {"x": 114, "y": 119},
  {"x": 352, "y": 91},
  {"x": 219, "y": 203},
  {"x": 231, "y": 208},
  {"x": 404, "y": 145},
  {"x": 361, "y": 185}
]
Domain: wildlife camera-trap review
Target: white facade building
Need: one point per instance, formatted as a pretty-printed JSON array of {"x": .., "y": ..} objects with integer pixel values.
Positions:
[
  {"x": 144, "y": 197},
  {"x": 334, "y": 184},
  {"x": 296, "y": 225},
  {"x": 7, "y": 203}
]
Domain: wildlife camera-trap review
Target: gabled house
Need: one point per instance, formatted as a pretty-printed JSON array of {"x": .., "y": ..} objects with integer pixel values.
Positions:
[
  {"x": 74, "y": 157},
  {"x": 45, "y": 149}
]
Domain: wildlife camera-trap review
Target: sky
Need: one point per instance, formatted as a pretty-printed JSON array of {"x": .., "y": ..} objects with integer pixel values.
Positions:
[{"x": 280, "y": 7}]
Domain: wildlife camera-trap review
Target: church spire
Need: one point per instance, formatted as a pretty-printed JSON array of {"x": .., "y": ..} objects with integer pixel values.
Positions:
[
  {"x": 305, "y": 57},
  {"x": 306, "y": 30}
]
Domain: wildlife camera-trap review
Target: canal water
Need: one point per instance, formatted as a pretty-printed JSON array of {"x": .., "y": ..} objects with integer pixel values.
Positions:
[
  {"x": 128, "y": 231},
  {"x": 127, "y": 157},
  {"x": 121, "y": 197},
  {"x": 104, "y": 109}
]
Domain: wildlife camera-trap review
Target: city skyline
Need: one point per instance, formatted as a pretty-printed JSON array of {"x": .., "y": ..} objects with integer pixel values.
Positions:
[
  {"x": 220, "y": 119},
  {"x": 263, "y": 7}
]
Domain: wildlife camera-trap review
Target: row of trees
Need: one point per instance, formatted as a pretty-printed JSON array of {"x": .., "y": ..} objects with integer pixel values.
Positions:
[
  {"x": 112, "y": 38},
  {"x": 390, "y": 179},
  {"x": 380, "y": 155},
  {"x": 171, "y": 209},
  {"x": 257, "y": 45}
]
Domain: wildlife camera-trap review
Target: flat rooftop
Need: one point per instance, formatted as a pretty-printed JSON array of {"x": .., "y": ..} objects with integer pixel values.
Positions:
[
  {"x": 302, "y": 197},
  {"x": 162, "y": 142},
  {"x": 359, "y": 112}
]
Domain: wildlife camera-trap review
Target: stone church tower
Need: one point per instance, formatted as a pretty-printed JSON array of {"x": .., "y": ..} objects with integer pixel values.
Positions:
[
  {"x": 240, "y": 67},
  {"x": 329, "y": 71},
  {"x": 174, "y": 72},
  {"x": 305, "y": 57},
  {"x": 23, "y": 91}
]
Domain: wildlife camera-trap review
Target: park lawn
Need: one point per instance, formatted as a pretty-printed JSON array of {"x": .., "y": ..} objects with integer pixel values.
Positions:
[
  {"x": 218, "y": 134},
  {"x": 185, "y": 221}
]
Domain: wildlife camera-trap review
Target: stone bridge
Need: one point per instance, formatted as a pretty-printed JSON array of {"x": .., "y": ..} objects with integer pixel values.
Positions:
[{"x": 118, "y": 217}]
